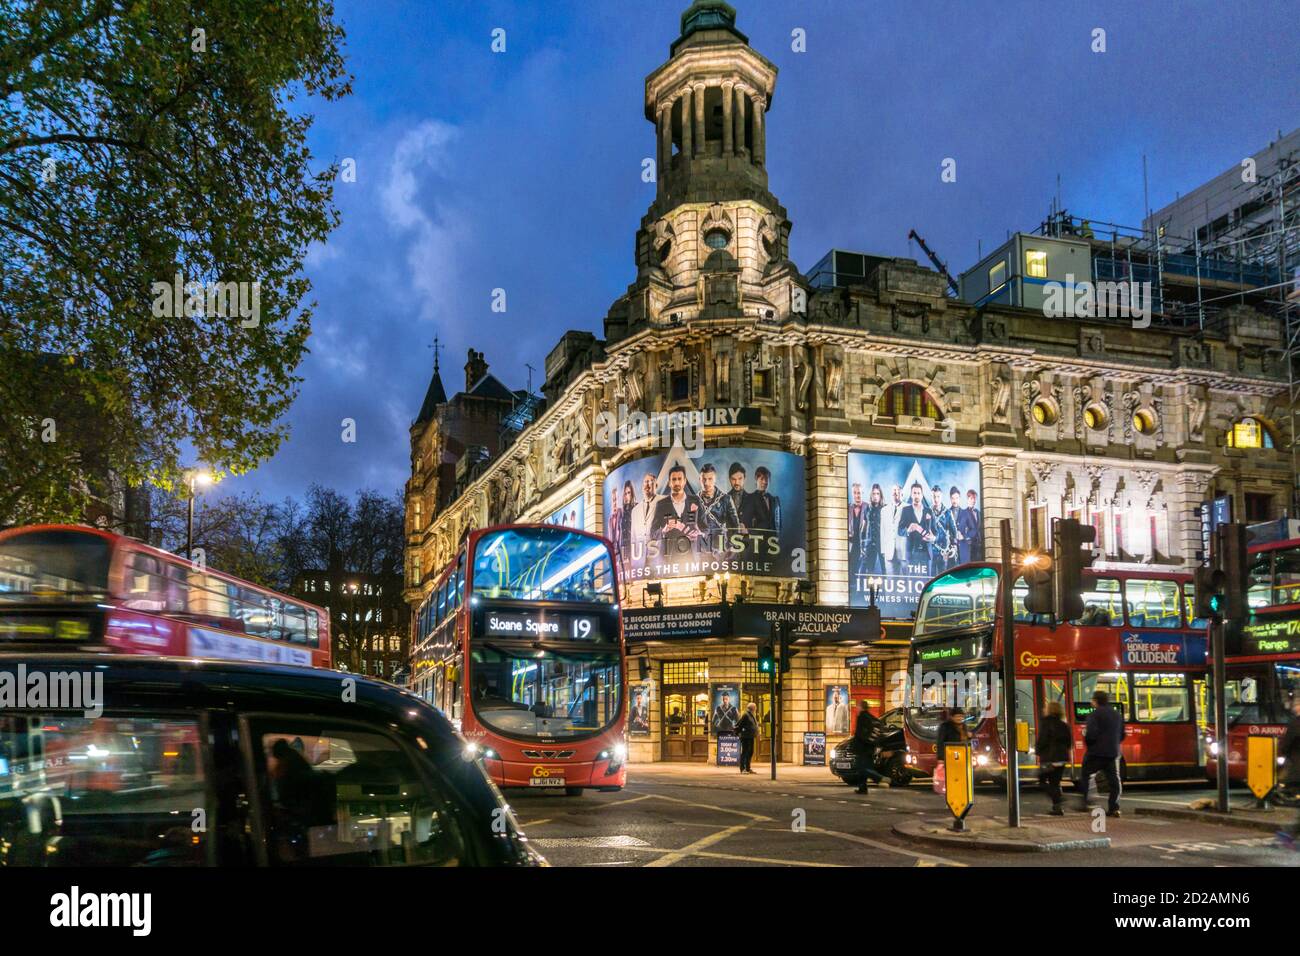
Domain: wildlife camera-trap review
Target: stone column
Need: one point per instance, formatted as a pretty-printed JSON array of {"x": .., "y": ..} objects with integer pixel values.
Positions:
[
  {"x": 760, "y": 141},
  {"x": 739, "y": 111},
  {"x": 686, "y": 126},
  {"x": 728, "y": 141},
  {"x": 828, "y": 522},
  {"x": 699, "y": 119},
  {"x": 665, "y": 131}
]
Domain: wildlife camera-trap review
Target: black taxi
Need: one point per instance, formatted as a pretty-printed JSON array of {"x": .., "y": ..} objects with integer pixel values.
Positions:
[{"x": 110, "y": 760}]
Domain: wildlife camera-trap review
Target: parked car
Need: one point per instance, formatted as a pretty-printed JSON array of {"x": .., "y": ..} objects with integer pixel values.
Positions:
[
  {"x": 222, "y": 763},
  {"x": 890, "y": 755}
]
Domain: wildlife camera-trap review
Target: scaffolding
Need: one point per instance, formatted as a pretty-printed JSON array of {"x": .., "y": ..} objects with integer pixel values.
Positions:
[{"x": 1249, "y": 257}]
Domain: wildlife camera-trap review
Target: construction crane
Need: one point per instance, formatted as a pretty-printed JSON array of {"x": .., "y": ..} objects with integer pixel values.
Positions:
[{"x": 938, "y": 263}]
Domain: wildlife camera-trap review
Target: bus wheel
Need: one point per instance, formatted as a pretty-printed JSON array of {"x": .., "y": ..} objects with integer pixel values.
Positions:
[{"x": 573, "y": 791}]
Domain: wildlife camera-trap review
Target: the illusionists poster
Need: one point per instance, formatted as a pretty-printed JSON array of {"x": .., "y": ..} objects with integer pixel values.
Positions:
[
  {"x": 722, "y": 509},
  {"x": 909, "y": 519}
]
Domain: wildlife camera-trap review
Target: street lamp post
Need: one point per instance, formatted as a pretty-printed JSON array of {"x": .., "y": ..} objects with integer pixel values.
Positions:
[{"x": 194, "y": 479}]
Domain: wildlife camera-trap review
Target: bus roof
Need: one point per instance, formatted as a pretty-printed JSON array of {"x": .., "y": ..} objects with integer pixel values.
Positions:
[
  {"x": 136, "y": 544},
  {"x": 1123, "y": 573}
]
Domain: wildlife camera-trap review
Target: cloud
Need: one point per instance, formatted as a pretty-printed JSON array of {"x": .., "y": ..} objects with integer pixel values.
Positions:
[{"x": 430, "y": 228}]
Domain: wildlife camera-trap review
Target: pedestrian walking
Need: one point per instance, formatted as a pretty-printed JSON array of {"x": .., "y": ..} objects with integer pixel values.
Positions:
[
  {"x": 1053, "y": 750},
  {"x": 747, "y": 728},
  {"x": 1289, "y": 750},
  {"x": 1101, "y": 737},
  {"x": 952, "y": 730},
  {"x": 865, "y": 731}
]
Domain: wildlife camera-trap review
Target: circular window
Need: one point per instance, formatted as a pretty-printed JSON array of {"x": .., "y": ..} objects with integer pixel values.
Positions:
[
  {"x": 1144, "y": 420},
  {"x": 1044, "y": 412},
  {"x": 1096, "y": 417},
  {"x": 716, "y": 238}
]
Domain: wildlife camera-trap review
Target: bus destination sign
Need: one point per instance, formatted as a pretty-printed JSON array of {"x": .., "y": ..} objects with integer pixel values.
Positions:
[
  {"x": 944, "y": 652},
  {"x": 557, "y": 626},
  {"x": 1275, "y": 635}
]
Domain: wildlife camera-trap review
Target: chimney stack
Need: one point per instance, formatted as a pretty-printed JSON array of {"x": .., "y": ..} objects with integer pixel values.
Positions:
[{"x": 475, "y": 369}]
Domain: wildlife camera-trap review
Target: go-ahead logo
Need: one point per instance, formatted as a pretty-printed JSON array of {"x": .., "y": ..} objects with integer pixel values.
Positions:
[
  {"x": 541, "y": 772},
  {"x": 1028, "y": 659}
]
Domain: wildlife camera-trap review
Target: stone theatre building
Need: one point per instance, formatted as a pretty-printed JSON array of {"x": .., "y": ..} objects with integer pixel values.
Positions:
[{"x": 864, "y": 373}]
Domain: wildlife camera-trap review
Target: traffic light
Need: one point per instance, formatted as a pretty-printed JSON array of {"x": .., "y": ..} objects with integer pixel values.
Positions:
[
  {"x": 1231, "y": 559},
  {"x": 787, "y": 652},
  {"x": 1209, "y": 598},
  {"x": 766, "y": 658},
  {"x": 1070, "y": 558},
  {"x": 1037, "y": 568}
]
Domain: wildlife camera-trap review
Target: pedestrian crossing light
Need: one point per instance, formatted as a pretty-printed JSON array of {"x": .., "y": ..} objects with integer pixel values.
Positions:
[{"x": 766, "y": 658}]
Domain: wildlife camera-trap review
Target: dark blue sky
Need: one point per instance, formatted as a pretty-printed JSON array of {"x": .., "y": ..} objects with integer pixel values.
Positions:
[{"x": 522, "y": 170}]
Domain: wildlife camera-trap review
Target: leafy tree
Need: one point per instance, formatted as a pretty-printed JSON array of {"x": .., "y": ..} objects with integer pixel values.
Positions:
[
  {"x": 139, "y": 140},
  {"x": 239, "y": 534}
]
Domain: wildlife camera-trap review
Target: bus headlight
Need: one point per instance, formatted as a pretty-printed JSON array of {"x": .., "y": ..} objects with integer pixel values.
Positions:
[
  {"x": 1214, "y": 748},
  {"x": 474, "y": 752},
  {"x": 982, "y": 760}
]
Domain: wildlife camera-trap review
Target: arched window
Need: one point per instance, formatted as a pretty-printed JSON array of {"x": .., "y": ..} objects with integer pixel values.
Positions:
[
  {"x": 1250, "y": 433},
  {"x": 907, "y": 400}
]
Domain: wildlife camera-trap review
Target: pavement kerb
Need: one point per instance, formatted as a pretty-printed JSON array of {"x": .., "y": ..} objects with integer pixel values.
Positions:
[
  {"x": 921, "y": 830},
  {"x": 1277, "y": 819}
]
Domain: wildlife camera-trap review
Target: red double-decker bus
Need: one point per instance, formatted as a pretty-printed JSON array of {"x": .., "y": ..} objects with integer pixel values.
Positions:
[
  {"x": 1134, "y": 640},
  {"x": 520, "y": 644},
  {"x": 1262, "y": 672},
  {"x": 79, "y": 586}
]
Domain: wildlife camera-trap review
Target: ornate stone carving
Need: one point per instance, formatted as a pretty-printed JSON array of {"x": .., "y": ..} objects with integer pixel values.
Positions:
[
  {"x": 803, "y": 380},
  {"x": 722, "y": 377},
  {"x": 1001, "y": 399},
  {"x": 1196, "y": 408},
  {"x": 834, "y": 373}
]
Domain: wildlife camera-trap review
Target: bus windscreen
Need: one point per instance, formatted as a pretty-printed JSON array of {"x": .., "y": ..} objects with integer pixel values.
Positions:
[
  {"x": 53, "y": 565},
  {"x": 543, "y": 564}
]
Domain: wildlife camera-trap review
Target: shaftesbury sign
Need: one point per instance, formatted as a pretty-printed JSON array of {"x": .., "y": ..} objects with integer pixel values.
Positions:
[{"x": 820, "y": 623}]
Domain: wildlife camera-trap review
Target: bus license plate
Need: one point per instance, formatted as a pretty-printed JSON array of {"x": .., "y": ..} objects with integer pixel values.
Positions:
[{"x": 546, "y": 782}]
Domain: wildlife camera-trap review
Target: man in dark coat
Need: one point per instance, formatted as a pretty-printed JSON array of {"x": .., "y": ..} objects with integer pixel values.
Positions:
[
  {"x": 747, "y": 729},
  {"x": 1102, "y": 736},
  {"x": 970, "y": 547},
  {"x": 738, "y": 495},
  {"x": 917, "y": 523},
  {"x": 865, "y": 731},
  {"x": 857, "y": 516},
  {"x": 677, "y": 516},
  {"x": 764, "y": 512}
]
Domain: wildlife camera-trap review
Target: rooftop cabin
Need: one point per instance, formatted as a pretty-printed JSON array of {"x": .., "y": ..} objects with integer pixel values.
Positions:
[{"x": 1187, "y": 291}]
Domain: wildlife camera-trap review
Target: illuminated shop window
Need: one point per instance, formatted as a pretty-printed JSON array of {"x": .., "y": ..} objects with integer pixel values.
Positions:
[{"x": 686, "y": 672}]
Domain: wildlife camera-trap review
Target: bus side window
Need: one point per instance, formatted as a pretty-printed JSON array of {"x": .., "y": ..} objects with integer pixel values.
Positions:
[
  {"x": 1260, "y": 591},
  {"x": 1152, "y": 603},
  {"x": 146, "y": 585},
  {"x": 1189, "y": 605},
  {"x": 1286, "y": 576},
  {"x": 178, "y": 589}
]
